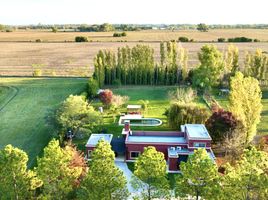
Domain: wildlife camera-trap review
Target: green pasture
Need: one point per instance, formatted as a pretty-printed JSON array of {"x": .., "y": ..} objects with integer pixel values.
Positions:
[{"x": 28, "y": 105}]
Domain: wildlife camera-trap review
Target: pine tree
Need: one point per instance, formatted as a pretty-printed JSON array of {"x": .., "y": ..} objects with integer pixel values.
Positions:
[
  {"x": 104, "y": 180},
  {"x": 57, "y": 172},
  {"x": 247, "y": 180},
  {"x": 17, "y": 182},
  {"x": 199, "y": 177},
  {"x": 150, "y": 174}
]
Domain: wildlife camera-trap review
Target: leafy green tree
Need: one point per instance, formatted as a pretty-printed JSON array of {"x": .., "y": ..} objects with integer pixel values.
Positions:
[
  {"x": 180, "y": 113},
  {"x": 16, "y": 181},
  {"x": 211, "y": 68},
  {"x": 247, "y": 180},
  {"x": 245, "y": 103},
  {"x": 92, "y": 88},
  {"x": 57, "y": 171},
  {"x": 256, "y": 64},
  {"x": 202, "y": 27},
  {"x": 231, "y": 59},
  {"x": 199, "y": 177},
  {"x": 150, "y": 174},
  {"x": 104, "y": 180},
  {"x": 106, "y": 27},
  {"x": 54, "y": 29},
  {"x": 75, "y": 113}
]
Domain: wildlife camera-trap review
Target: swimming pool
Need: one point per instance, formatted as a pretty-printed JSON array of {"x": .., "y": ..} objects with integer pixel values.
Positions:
[{"x": 141, "y": 122}]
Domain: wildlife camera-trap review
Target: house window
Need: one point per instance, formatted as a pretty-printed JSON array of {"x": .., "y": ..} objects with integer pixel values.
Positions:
[
  {"x": 134, "y": 154},
  {"x": 199, "y": 144},
  {"x": 89, "y": 152}
]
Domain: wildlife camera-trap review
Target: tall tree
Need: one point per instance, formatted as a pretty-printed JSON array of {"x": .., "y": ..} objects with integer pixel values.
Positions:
[
  {"x": 245, "y": 102},
  {"x": 104, "y": 180},
  {"x": 231, "y": 59},
  {"x": 211, "y": 67},
  {"x": 256, "y": 64},
  {"x": 247, "y": 180},
  {"x": 75, "y": 112},
  {"x": 150, "y": 174},
  {"x": 16, "y": 181},
  {"x": 57, "y": 171},
  {"x": 199, "y": 177}
]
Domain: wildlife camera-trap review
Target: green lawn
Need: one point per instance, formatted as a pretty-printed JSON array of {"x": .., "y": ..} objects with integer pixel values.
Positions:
[
  {"x": 24, "y": 121},
  {"x": 263, "y": 126}
]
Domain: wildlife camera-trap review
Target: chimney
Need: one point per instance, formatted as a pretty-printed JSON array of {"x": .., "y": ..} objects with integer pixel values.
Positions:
[{"x": 127, "y": 125}]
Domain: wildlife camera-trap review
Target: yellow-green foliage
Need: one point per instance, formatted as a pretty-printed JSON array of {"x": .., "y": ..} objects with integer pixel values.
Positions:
[
  {"x": 245, "y": 102},
  {"x": 16, "y": 181},
  {"x": 37, "y": 72}
]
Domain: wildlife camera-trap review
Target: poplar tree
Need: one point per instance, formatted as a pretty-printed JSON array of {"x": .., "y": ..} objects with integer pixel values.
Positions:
[
  {"x": 256, "y": 64},
  {"x": 104, "y": 180},
  {"x": 150, "y": 174},
  {"x": 231, "y": 59},
  {"x": 17, "y": 182},
  {"x": 245, "y": 103}
]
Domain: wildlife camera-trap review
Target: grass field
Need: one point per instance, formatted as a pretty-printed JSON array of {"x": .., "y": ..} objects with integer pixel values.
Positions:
[
  {"x": 76, "y": 59},
  {"x": 24, "y": 121},
  {"x": 148, "y": 35},
  {"x": 263, "y": 126}
]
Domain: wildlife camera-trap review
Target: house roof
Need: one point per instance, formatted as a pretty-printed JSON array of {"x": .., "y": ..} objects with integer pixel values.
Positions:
[
  {"x": 95, "y": 138},
  {"x": 155, "y": 139},
  {"x": 133, "y": 106},
  {"x": 196, "y": 131}
]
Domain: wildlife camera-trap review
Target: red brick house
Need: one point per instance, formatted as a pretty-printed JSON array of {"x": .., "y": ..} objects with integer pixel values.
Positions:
[{"x": 175, "y": 145}]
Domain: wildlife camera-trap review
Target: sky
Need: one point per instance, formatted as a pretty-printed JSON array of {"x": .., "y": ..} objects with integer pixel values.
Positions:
[{"x": 22, "y": 12}]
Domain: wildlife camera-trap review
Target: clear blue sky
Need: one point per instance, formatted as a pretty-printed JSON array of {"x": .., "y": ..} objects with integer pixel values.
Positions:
[{"x": 134, "y": 11}]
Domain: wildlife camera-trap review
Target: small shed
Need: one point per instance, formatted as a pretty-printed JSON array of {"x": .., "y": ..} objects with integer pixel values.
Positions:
[{"x": 134, "y": 109}]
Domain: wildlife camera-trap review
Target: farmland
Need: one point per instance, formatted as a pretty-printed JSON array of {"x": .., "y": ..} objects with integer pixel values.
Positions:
[
  {"x": 133, "y": 36},
  {"x": 25, "y": 120},
  {"x": 76, "y": 59}
]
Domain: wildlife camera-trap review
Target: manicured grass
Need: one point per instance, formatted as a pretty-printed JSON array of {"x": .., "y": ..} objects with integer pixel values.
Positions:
[
  {"x": 26, "y": 119},
  {"x": 263, "y": 126}
]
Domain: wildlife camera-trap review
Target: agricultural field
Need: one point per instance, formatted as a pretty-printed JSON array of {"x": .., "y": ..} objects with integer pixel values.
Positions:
[
  {"x": 133, "y": 36},
  {"x": 76, "y": 59},
  {"x": 26, "y": 108}
]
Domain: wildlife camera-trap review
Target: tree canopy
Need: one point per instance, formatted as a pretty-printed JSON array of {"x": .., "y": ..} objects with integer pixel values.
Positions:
[
  {"x": 75, "y": 112},
  {"x": 199, "y": 177},
  {"x": 248, "y": 179},
  {"x": 150, "y": 174},
  {"x": 245, "y": 102},
  {"x": 57, "y": 171},
  {"x": 211, "y": 68},
  {"x": 104, "y": 180},
  {"x": 17, "y": 182}
]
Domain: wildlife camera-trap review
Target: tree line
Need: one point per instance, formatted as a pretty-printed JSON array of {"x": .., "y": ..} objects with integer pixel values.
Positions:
[
  {"x": 62, "y": 173},
  {"x": 138, "y": 66}
]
